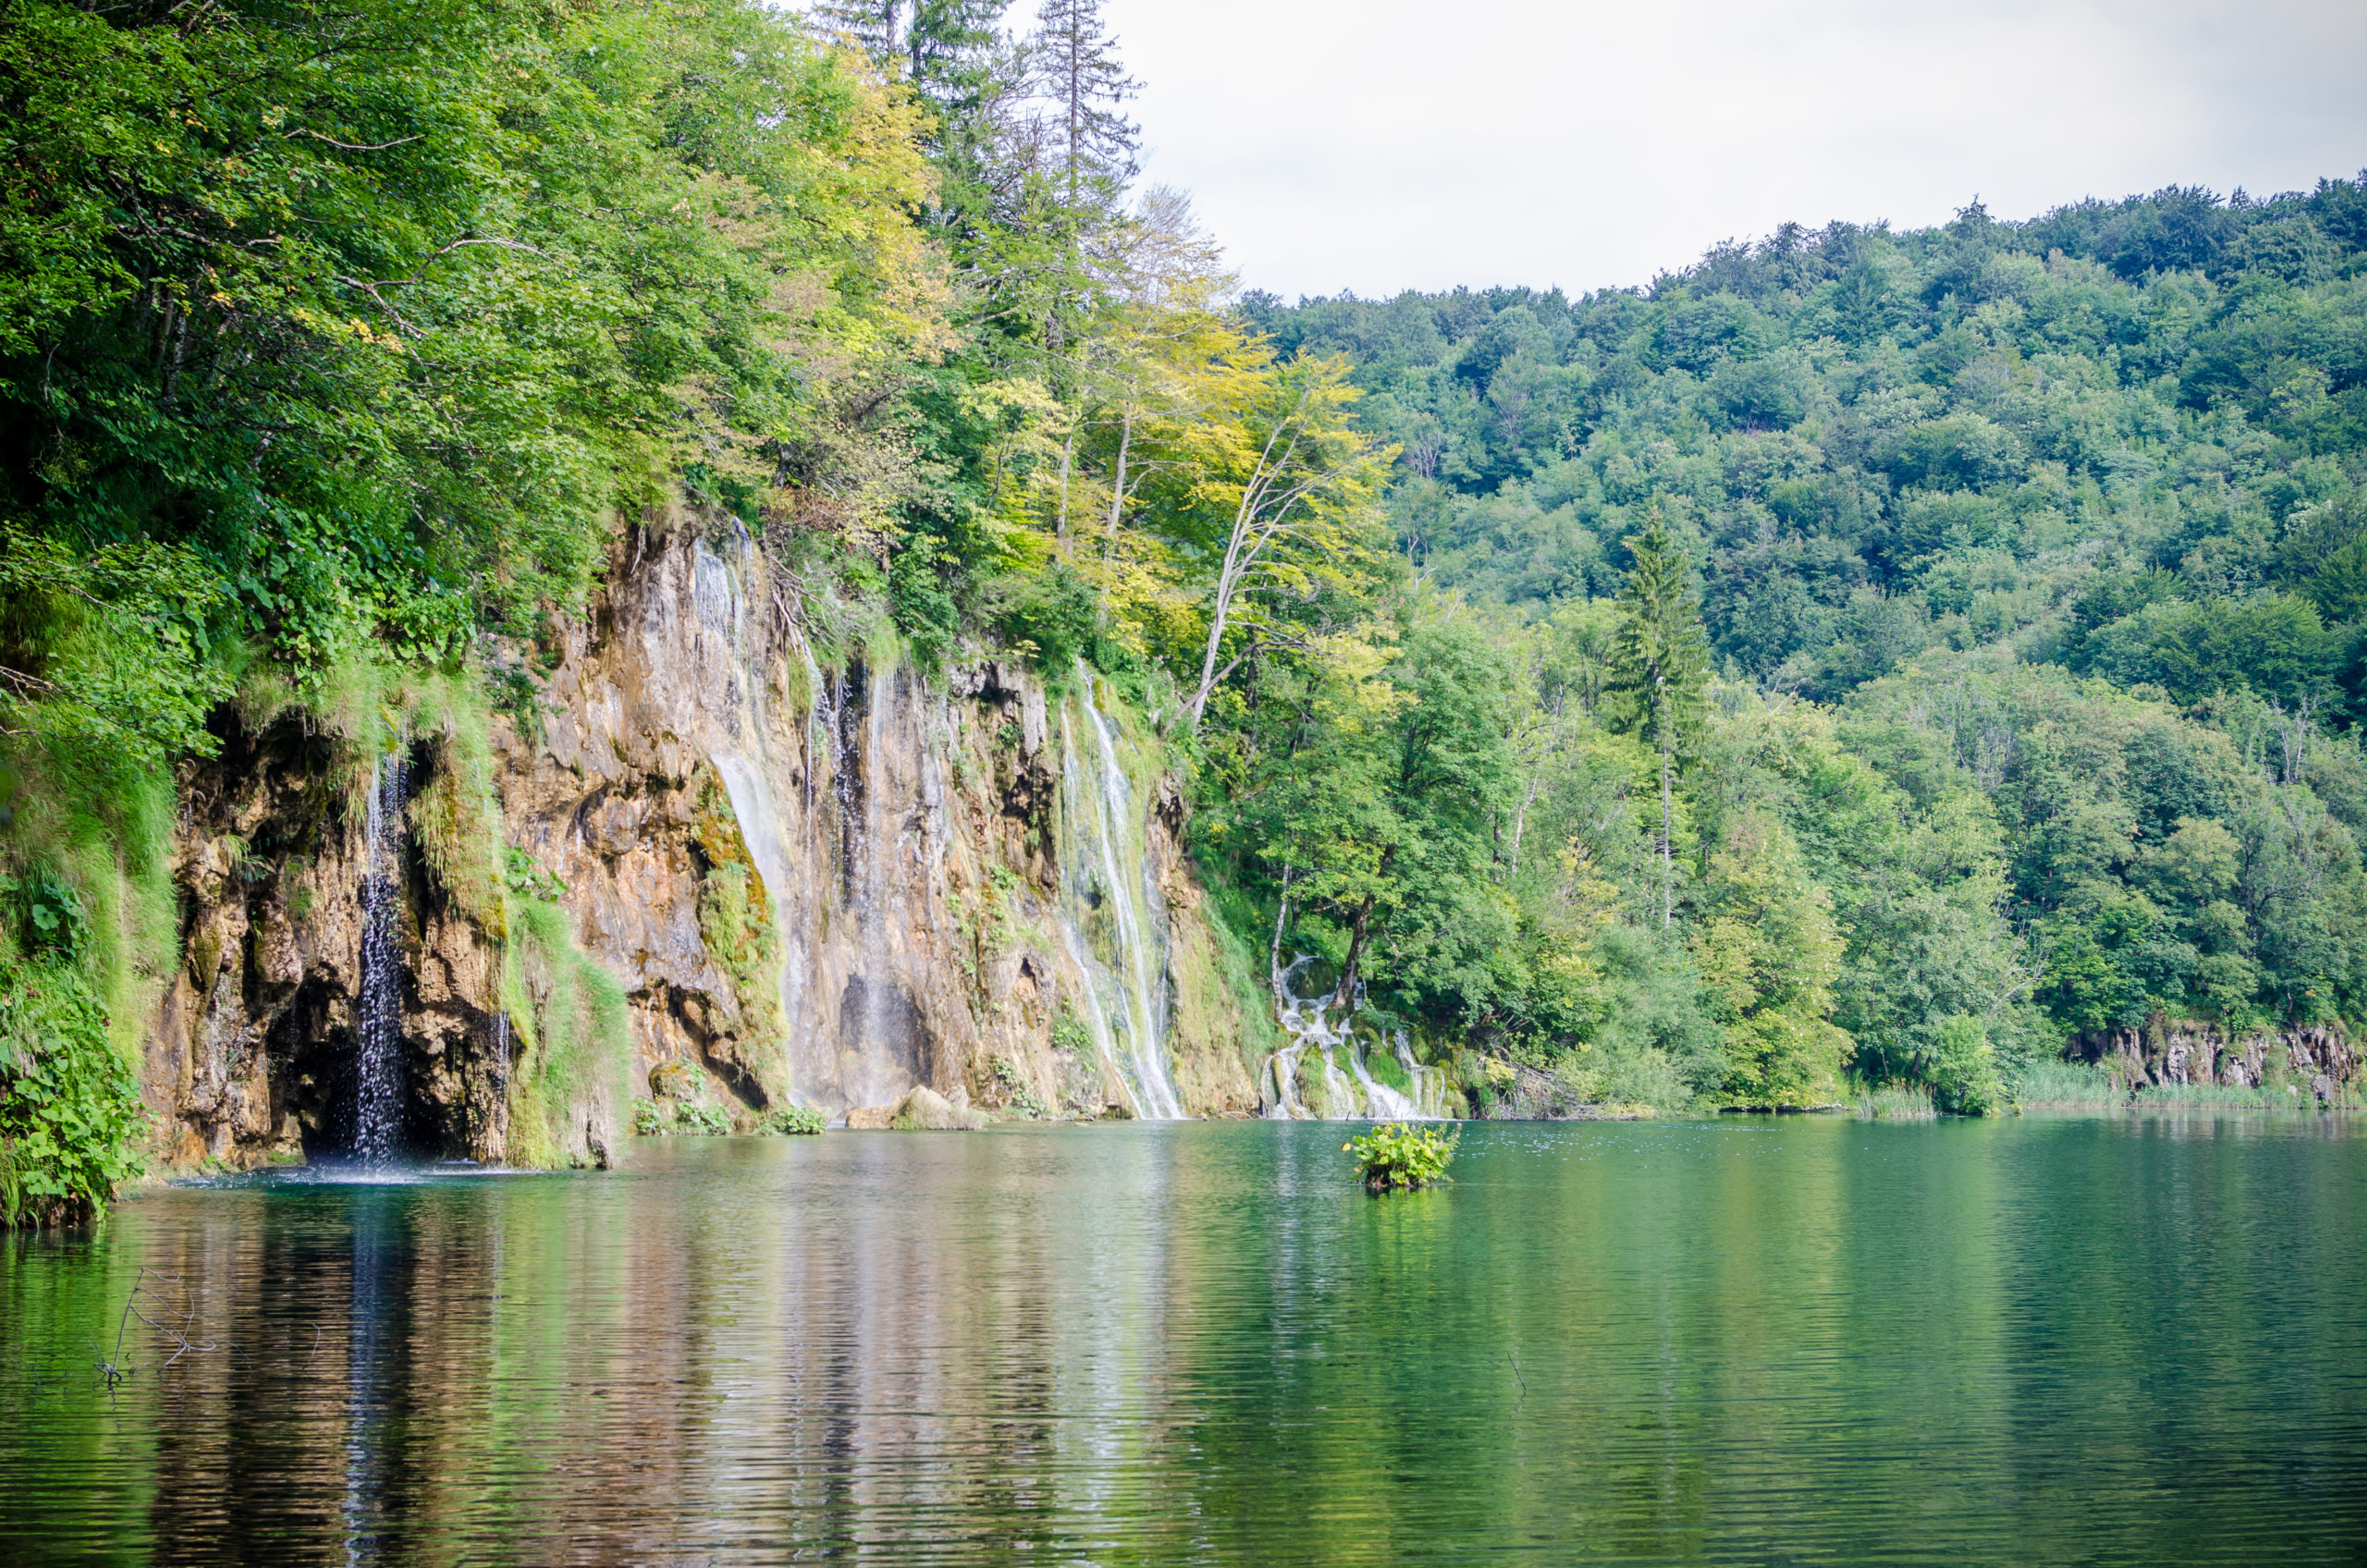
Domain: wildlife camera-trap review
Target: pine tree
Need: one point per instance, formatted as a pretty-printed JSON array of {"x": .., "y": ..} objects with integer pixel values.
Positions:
[
  {"x": 870, "y": 25},
  {"x": 943, "y": 46},
  {"x": 1077, "y": 71},
  {"x": 1659, "y": 663}
]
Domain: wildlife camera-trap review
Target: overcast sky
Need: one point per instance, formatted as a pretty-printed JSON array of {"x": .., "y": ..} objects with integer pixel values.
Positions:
[{"x": 1383, "y": 144}]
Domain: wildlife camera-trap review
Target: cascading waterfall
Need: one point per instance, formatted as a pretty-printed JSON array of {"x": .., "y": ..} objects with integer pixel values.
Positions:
[
  {"x": 1429, "y": 1083},
  {"x": 377, "y": 1088},
  {"x": 501, "y": 1080},
  {"x": 840, "y": 879},
  {"x": 1126, "y": 992},
  {"x": 751, "y": 803},
  {"x": 1380, "y": 1098},
  {"x": 1354, "y": 1095},
  {"x": 874, "y": 850},
  {"x": 1284, "y": 1068}
]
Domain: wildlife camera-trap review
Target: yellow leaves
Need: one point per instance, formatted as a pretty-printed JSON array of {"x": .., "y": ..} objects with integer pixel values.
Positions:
[
  {"x": 336, "y": 329},
  {"x": 1590, "y": 897},
  {"x": 1726, "y": 956}
]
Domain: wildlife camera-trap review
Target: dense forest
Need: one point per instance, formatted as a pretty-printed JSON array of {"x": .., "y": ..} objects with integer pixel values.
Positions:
[
  {"x": 1860, "y": 658},
  {"x": 2027, "y": 561}
]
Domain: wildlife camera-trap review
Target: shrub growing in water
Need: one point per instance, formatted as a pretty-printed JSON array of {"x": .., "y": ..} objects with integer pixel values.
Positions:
[
  {"x": 793, "y": 1120},
  {"x": 659, "y": 1118},
  {"x": 1398, "y": 1157}
]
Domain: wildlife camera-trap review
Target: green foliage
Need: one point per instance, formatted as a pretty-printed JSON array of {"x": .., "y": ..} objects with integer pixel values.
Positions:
[
  {"x": 1398, "y": 1157},
  {"x": 573, "y": 1043},
  {"x": 48, "y": 912},
  {"x": 69, "y": 1108},
  {"x": 1018, "y": 1093},
  {"x": 1658, "y": 658},
  {"x": 524, "y": 879},
  {"x": 1897, "y": 1102},
  {"x": 1069, "y": 1033},
  {"x": 793, "y": 1120},
  {"x": 2055, "y": 1085},
  {"x": 356, "y": 325},
  {"x": 667, "y": 1117},
  {"x": 741, "y": 933},
  {"x": 1911, "y": 472}
]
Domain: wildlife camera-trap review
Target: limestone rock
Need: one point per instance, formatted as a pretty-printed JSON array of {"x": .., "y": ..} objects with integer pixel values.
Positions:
[
  {"x": 878, "y": 931},
  {"x": 926, "y": 1111}
]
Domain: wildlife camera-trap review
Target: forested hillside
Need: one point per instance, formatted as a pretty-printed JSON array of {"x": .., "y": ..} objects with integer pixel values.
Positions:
[
  {"x": 1861, "y": 653},
  {"x": 2030, "y": 565}
]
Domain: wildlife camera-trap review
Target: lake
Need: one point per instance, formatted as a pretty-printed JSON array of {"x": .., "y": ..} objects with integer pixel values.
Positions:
[{"x": 1806, "y": 1340}]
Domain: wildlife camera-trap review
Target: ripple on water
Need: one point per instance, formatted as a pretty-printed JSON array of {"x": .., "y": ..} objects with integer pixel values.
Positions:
[{"x": 1807, "y": 1339}]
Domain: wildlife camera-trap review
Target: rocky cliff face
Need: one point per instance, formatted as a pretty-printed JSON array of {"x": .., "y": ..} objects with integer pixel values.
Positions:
[
  {"x": 2316, "y": 1060},
  {"x": 803, "y": 884}
]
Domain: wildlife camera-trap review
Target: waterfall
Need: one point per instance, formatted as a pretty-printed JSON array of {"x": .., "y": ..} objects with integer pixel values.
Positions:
[
  {"x": 1308, "y": 1021},
  {"x": 1383, "y": 1102},
  {"x": 501, "y": 1081},
  {"x": 1104, "y": 872},
  {"x": 1283, "y": 1066},
  {"x": 751, "y": 804},
  {"x": 377, "y": 1088},
  {"x": 1429, "y": 1083},
  {"x": 878, "y": 841}
]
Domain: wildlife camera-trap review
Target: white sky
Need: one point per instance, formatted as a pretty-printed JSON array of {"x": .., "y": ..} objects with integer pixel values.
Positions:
[{"x": 1384, "y": 144}]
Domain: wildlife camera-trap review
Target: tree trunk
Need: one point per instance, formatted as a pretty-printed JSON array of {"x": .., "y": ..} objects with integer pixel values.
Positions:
[
  {"x": 1520, "y": 817},
  {"x": 1068, "y": 452},
  {"x": 1118, "y": 490},
  {"x": 1343, "y": 996},
  {"x": 1668, "y": 846},
  {"x": 1274, "y": 958}
]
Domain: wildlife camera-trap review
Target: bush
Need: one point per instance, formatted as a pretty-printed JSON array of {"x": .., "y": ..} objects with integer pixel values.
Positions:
[
  {"x": 792, "y": 1122},
  {"x": 659, "y": 1119},
  {"x": 1398, "y": 1157},
  {"x": 1897, "y": 1102},
  {"x": 69, "y": 1108},
  {"x": 1018, "y": 1093}
]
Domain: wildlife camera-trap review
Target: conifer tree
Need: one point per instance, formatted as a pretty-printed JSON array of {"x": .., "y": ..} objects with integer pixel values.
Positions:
[
  {"x": 870, "y": 25},
  {"x": 943, "y": 46},
  {"x": 1659, "y": 663},
  {"x": 1078, "y": 73}
]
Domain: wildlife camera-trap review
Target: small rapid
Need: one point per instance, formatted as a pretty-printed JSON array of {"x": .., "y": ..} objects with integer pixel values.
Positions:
[{"x": 1354, "y": 1095}]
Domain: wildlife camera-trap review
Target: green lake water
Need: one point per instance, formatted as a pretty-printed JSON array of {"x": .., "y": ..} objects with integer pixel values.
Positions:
[{"x": 2130, "y": 1339}]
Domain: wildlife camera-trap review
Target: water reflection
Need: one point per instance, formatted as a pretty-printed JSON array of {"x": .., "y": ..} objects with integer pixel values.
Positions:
[{"x": 2131, "y": 1340}]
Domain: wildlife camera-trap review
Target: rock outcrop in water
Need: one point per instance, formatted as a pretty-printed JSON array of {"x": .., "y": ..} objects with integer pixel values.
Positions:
[
  {"x": 829, "y": 888},
  {"x": 2316, "y": 1060}
]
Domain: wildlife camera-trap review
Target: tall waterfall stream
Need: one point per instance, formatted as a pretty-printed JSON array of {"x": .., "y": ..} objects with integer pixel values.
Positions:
[
  {"x": 377, "y": 1076},
  {"x": 1110, "y": 912}
]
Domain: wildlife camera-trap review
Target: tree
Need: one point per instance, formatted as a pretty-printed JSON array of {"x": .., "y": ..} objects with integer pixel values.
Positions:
[
  {"x": 1659, "y": 664},
  {"x": 944, "y": 47},
  {"x": 1077, "y": 71},
  {"x": 1299, "y": 482}
]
